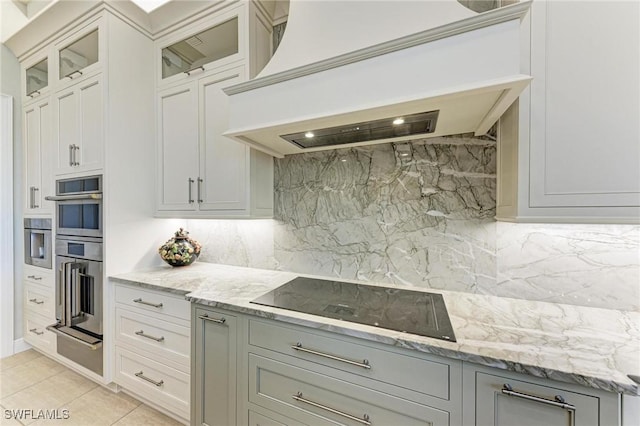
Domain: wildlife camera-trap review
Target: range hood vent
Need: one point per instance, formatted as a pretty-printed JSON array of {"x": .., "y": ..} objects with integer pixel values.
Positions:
[
  {"x": 387, "y": 128},
  {"x": 345, "y": 68}
]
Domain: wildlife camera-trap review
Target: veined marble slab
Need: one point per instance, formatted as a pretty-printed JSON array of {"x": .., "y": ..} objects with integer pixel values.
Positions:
[{"x": 590, "y": 346}]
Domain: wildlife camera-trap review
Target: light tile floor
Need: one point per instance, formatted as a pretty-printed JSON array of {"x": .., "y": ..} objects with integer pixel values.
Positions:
[{"x": 31, "y": 381}]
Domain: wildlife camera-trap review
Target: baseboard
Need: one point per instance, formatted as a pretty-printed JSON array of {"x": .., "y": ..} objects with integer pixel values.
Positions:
[{"x": 19, "y": 345}]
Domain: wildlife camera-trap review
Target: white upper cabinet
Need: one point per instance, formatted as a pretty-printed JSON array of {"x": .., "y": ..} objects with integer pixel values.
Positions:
[
  {"x": 570, "y": 151},
  {"x": 80, "y": 55},
  {"x": 207, "y": 44},
  {"x": 79, "y": 126},
  {"x": 37, "y": 142},
  {"x": 36, "y": 79},
  {"x": 202, "y": 173}
]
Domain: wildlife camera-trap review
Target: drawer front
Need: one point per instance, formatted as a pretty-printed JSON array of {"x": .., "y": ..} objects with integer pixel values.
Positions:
[
  {"x": 166, "y": 386},
  {"x": 257, "y": 419},
  {"x": 162, "y": 338},
  {"x": 153, "y": 301},
  {"x": 39, "y": 276},
  {"x": 317, "y": 399},
  {"x": 36, "y": 334},
  {"x": 493, "y": 407},
  {"x": 417, "y": 374},
  {"x": 39, "y": 300}
]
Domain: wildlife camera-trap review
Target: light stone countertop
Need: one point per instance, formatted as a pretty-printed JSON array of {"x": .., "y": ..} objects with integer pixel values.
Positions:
[{"x": 589, "y": 346}]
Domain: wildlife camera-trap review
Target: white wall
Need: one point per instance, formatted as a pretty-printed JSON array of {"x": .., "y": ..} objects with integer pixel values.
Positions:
[
  {"x": 11, "y": 19},
  {"x": 10, "y": 85}
]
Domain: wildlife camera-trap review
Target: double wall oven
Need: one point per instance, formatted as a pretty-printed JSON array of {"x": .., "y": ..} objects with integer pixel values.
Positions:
[{"x": 79, "y": 270}]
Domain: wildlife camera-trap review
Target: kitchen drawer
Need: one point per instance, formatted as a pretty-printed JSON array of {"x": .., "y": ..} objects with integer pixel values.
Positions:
[
  {"x": 314, "y": 398},
  {"x": 272, "y": 419},
  {"x": 427, "y": 376},
  {"x": 163, "y": 385},
  {"x": 40, "y": 300},
  {"x": 162, "y": 338},
  {"x": 37, "y": 275},
  {"x": 36, "y": 334},
  {"x": 153, "y": 301}
]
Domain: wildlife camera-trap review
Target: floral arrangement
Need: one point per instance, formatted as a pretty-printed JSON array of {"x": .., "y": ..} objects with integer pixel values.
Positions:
[{"x": 180, "y": 250}]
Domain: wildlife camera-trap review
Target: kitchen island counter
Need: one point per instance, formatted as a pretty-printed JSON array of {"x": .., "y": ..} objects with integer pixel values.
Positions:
[{"x": 588, "y": 346}]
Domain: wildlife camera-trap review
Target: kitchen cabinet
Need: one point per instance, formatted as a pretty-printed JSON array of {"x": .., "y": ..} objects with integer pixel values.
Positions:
[
  {"x": 38, "y": 286},
  {"x": 304, "y": 376},
  {"x": 202, "y": 173},
  {"x": 214, "y": 368},
  {"x": 152, "y": 347},
  {"x": 36, "y": 78},
  {"x": 38, "y": 164},
  {"x": 504, "y": 398},
  {"x": 568, "y": 150},
  {"x": 275, "y": 373},
  {"x": 201, "y": 170},
  {"x": 79, "y": 125}
]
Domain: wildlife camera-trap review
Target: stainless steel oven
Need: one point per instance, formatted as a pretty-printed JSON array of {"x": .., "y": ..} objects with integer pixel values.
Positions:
[
  {"x": 79, "y": 206},
  {"x": 79, "y": 307},
  {"x": 37, "y": 242}
]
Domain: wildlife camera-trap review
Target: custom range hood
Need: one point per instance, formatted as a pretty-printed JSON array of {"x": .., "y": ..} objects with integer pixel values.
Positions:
[{"x": 357, "y": 72}]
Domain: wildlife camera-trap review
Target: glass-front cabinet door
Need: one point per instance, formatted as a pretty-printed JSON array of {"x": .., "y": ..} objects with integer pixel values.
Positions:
[
  {"x": 192, "y": 53},
  {"x": 37, "y": 78},
  {"x": 78, "y": 55}
]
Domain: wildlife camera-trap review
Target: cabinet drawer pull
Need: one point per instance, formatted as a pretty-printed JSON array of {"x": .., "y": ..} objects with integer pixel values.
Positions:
[
  {"x": 34, "y": 94},
  {"x": 34, "y": 300},
  {"x": 36, "y": 332},
  {"x": 193, "y": 70},
  {"x": 142, "y": 376},
  {"x": 557, "y": 402},
  {"x": 73, "y": 75},
  {"x": 33, "y": 277},
  {"x": 216, "y": 320},
  {"x": 142, "y": 302},
  {"x": 142, "y": 334},
  {"x": 364, "y": 420},
  {"x": 363, "y": 364}
]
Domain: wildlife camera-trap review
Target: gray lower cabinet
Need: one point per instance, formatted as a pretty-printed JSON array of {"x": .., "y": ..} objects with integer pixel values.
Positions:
[
  {"x": 260, "y": 372},
  {"x": 214, "y": 372},
  {"x": 501, "y": 398}
]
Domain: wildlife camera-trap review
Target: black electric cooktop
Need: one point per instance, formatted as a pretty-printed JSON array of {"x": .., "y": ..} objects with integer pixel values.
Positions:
[{"x": 408, "y": 311}]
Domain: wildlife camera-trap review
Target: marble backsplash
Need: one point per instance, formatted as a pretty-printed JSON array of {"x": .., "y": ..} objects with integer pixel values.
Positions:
[{"x": 421, "y": 214}]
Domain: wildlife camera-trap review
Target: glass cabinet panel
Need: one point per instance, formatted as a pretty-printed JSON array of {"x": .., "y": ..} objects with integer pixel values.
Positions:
[
  {"x": 78, "y": 55},
  {"x": 207, "y": 46},
  {"x": 37, "y": 76}
]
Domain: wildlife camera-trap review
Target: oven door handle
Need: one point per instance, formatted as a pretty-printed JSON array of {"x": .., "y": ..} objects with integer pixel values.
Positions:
[{"x": 91, "y": 196}]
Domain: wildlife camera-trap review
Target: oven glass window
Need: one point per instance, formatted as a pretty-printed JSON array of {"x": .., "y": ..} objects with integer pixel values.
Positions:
[
  {"x": 71, "y": 186},
  {"x": 79, "y": 216}
]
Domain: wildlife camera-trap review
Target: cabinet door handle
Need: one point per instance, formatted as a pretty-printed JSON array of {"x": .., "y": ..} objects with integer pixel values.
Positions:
[
  {"x": 142, "y": 376},
  {"x": 71, "y": 155},
  {"x": 73, "y": 75},
  {"x": 558, "y": 401},
  {"x": 33, "y": 198},
  {"x": 363, "y": 364},
  {"x": 200, "y": 190},
  {"x": 194, "y": 70},
  {"x": 34, "y": 300},
  {"x": 142, "y": 334},
  {"x": 142, "y": 302},
  {"x": 36, "y": 332},
  {"x": 190, "y": 192},
  {"x": 34, "y": 94},
  {"x": 33, "y": 277},
  {"x": 76, "y": 148},
  {"x": 364, "y": 420},
  {"x": 216, "y": 320}
]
